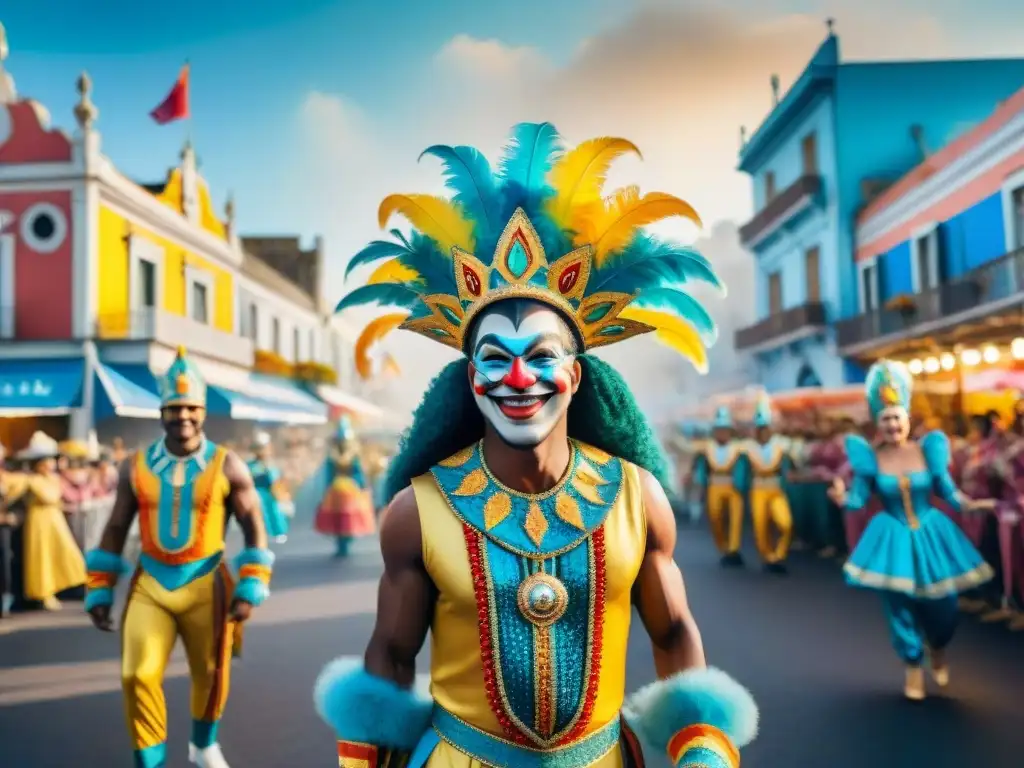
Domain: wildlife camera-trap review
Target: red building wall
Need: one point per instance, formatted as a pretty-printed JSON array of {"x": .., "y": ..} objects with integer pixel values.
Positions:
[{"x": 42, "y": 280}]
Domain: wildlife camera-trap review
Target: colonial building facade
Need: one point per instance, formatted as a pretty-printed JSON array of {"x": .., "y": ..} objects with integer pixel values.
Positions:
[
  {"x": 102, "y": 278},
  {"x": 843, "y": 131}
]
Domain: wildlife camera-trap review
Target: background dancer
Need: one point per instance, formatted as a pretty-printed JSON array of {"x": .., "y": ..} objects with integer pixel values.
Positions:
[
  {"x": 721, "y": 473},
  {"x": 346, "y": 510},
  {"x": 910, "y": 552}
]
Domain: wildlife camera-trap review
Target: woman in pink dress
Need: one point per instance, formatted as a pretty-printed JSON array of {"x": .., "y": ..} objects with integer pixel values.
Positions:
[{"x": 346, "y": 511}]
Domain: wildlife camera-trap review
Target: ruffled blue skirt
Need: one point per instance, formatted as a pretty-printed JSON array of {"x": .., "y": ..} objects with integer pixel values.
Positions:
[{"x": 930, "y": 562}]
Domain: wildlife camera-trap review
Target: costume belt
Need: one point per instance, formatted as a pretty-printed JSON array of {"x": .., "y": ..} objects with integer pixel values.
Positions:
[
  {"x": 767, "y": 482},
  {"x": 499, "y": 752},
  {"x": 721, "y": 478}
]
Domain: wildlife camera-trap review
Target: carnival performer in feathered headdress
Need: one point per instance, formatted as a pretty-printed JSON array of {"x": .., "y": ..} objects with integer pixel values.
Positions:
[
  {"x": 912, "y": 553},
  {"x": 275, "y": 500},
  {"x": 527, "y": 504},
  {"x": 770, "y": 461},
  {"x": 183, "y": 488}
]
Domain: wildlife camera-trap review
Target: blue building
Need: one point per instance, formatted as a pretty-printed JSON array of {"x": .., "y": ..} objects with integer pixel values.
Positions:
[{"x": 842, "y": 133}]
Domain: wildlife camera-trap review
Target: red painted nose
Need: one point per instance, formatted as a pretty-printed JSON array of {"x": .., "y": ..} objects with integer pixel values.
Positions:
[{"x": 519, "y": 377}]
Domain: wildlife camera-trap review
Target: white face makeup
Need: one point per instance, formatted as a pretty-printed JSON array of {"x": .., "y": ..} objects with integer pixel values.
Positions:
[
  {"x": 894, "y": 425},
  {"x": 522, "y": 372}
]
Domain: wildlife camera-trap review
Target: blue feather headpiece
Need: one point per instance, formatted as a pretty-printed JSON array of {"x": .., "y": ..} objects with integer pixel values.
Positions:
[
  {"x": 540, "y": 227},
  {"x": 763, "y": 413},
  {"x": 889, "y": 385}
]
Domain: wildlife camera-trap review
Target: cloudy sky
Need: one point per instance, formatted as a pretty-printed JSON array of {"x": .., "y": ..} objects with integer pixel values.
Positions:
[{"x": 312, "y": 110}]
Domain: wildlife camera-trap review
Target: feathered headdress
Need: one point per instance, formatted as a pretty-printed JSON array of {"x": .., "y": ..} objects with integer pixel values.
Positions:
[
  {"x": 723, "y": 418},
  {"x": 889, "y": 385},
  {"x": 763, "y": 412},
  {"x": 540, "y": 227}
]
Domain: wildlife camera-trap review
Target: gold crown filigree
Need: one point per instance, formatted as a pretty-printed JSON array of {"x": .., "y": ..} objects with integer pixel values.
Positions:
[{"x": 519, "y": 269}]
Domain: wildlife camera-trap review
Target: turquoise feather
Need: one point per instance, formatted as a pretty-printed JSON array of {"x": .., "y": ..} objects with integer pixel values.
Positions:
[
  {"x": 384, "y": 294},
  {"x": 531, "y": 153},
  {"x": 397, "y": 234},
  {"x": 375, "y": 251},
  {"x": 437, "y": 275},
  {"x": 683, "y": 306},
  {"x": 648, "y": 262},
  {"x": 469, "y": 176}
]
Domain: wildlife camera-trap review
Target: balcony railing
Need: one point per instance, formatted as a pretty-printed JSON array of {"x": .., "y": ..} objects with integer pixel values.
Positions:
[
  {"x": 806, "y": 187},
  {"x": 809, "y": 315},
  {"x": 171, "y": 330},
  {"x": 997, "y": 284}
]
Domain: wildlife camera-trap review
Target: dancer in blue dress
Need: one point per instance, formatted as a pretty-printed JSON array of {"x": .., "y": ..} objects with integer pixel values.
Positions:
[
  {"x": 274, "y": 498},
  {"x": 911, "y": 552}
]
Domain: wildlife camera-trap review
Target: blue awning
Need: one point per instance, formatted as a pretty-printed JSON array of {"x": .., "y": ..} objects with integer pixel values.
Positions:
[
  {"x": 265, "y": 399},
  {"x": 118, "y": 395},
  {"x": 41, "y": 386}
]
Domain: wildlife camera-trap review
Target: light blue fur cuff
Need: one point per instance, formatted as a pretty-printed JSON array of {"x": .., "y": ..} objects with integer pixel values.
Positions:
[
  {"x": 251, "y": 590},
  {"x": 97, "y": 597},
  {"x": 658, "y": 712},
  {"x": 254, "y": 556},
  {"x": 367, "y": 709},
  {"x": 102, "y": 561}
]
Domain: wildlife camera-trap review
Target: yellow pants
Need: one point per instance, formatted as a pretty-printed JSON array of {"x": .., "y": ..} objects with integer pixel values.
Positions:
[
  {"x": 771, "y": 517},
  {"x": 154, "y": 619},
  {"x": 725, "y": 513}
]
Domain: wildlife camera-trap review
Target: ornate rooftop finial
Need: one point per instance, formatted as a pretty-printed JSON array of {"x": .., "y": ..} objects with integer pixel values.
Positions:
[
  {"x": 3, "y": 43},
  {"x": 743, "y": 136},
  {"x": 830, "y": 24},
  {"x": 229, "y": 208},
  {"x": 775, "y": 90},
  {"x": 8, "y": 94},
  {"x": 85, "y": 111}
]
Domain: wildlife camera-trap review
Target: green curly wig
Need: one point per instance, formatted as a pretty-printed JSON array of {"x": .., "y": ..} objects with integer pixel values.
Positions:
[{"x": 602, "y": 413}]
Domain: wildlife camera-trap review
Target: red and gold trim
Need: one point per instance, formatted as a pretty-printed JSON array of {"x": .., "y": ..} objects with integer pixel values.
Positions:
[
  {"x": 100, "y": 580},
  {"x": 544, "y": 671},
  {"x": 474, "y": 544},
  {"x": 352, "y": 754},
  {"x": 224, "y": 640},
  {"x": 599, "y": 577},
  {"x": 705, "y": 737},
  {"x": 255, "y": 571}
]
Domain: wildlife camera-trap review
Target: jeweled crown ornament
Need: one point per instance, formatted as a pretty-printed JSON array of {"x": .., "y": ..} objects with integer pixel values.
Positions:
[
  {"x": 889, "y": 384},
  {"x": 541, "y": 228},
  {"x": 183, "y": 384}
]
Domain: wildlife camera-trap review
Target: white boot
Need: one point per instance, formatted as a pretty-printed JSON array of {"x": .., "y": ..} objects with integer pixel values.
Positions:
[{"x": 209, "y": 757}]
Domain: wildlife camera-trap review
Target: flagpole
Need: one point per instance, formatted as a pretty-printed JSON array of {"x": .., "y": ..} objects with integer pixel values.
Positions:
[{"x": 188, "y": 120}]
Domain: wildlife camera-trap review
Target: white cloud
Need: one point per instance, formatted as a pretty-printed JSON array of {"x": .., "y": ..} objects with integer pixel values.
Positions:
[{"x": 679, "y": 83}]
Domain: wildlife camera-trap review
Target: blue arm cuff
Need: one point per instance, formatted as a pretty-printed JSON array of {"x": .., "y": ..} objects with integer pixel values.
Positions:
[
  {"x": 254, "y": 556},
  {"x": 363, "y": 708},
  {"x": 97, "y": 597},
  {"x": 709, "y": 697},
  {"x": 102, "y": 561},
  {"x": 251, "y": 590}
]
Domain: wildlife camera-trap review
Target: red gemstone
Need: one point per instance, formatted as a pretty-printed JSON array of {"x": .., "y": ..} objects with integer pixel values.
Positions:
[
  {"x": 567, "y": 280},
  {"x": 472, "y": 280}
]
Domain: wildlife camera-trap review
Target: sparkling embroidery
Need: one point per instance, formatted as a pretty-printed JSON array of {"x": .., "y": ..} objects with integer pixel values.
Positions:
[
  {"x": 535, "y": 525},
  {"x": 567, "y": 509},
  {"x": 496, "y": 509},
  {"x": 460, "y": 458},
  {"x": 472, "y": 483}
]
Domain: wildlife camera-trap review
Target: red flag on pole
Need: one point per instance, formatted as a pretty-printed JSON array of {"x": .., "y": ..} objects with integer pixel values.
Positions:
[{"x": 175, "y": 106}]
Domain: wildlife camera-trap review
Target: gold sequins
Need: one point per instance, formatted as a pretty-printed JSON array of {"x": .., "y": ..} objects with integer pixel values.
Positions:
[
  {"x": 587, "y": 491},
  {"x": 542, "y": 599},
  {"x": 535, "y": 525},
  {"x": 458, "y": 459},
  {"x": 544, "y": 710},
  {"x": 472, "y": 484},
  {"x": 496, "y": 509},
  {"x": 568, "y": 510},
  {"x": 596, "y": 455}
]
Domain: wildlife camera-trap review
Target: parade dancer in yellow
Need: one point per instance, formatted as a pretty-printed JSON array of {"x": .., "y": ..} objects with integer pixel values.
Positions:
[
  {"x": 183, "y": 489},
  {"x": 528, "y": 517},
  {"x": 721, "y": 469},
  {"x": 770, "y": 463}
]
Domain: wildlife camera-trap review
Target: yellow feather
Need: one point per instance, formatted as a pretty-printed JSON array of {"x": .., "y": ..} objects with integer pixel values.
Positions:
[
  {"x": 393, "y": 271},
  {"x": 672, "y": 332},
  {"x": 578, "y": 177},
  {"x": 371, "y": 334},
  {"x": 434, "y": 217},
  {"x": 609, "y": 225}
]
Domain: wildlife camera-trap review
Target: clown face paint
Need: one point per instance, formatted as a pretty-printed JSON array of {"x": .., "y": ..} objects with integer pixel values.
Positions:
[{"x": 522, "y": 371}]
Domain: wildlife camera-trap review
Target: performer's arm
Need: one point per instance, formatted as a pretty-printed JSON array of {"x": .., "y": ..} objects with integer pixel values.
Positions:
[
  {"x": 659, "y": 593},
  {"x": 256, "y": 561},
  {"x": 699, "y": 715},
  {"x": 104, "y": 564},
  {"x": 384, "y": 679}
]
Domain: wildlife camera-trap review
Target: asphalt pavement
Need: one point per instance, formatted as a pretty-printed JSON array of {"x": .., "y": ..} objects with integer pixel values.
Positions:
[{"x": 814, "y": 653}]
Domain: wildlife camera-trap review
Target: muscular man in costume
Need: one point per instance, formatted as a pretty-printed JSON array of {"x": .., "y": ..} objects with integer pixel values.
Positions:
[
  {"x": 527, "y": 514},
  {"x": 184, "y": 488}
]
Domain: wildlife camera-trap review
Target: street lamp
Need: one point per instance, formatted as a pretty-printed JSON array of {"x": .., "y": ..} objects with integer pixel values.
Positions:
[{"x": 990, "y": 355}]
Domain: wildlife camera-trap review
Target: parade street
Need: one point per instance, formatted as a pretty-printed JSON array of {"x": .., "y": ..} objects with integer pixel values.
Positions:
[{"x": 814, "y": 653}]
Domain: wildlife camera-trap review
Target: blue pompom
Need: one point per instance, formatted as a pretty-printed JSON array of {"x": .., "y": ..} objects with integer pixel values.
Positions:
[
  {"x": 368, "y": 709},
  {"x": 254, "y": 556},
  {"x": 102, "y": 561},
  {"x": 696, "y": 697},
  {"x": 97, "y": 597},
  {"x": 251, "y": 590}
]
